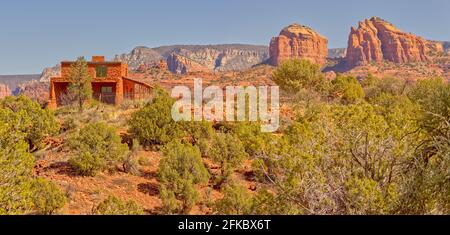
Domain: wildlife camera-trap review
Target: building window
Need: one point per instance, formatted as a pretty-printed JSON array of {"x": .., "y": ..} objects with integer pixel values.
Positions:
[
  {"x": 107, "y": 89},
  {"x": 101, "y": 71}
]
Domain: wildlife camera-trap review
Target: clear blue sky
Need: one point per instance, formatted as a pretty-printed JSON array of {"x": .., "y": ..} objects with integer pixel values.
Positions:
[{"x": 38, "y": 33}]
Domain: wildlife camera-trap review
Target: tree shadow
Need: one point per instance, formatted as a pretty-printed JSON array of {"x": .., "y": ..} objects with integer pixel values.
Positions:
[
  {"x": 151, "y": 189},
  {"x": 150, "y": 175},
  {"x": 62, "y": 168}
]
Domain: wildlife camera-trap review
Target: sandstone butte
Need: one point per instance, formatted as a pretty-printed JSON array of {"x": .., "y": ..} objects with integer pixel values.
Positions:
[
  {"x": 298, "y": 41},
  {"x": 376, "y": 40}
]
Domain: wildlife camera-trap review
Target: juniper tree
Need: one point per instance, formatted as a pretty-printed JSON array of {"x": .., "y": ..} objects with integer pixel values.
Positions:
[
  {"x": 180, "y": 170},
  {"x": 80, "y": 86}
]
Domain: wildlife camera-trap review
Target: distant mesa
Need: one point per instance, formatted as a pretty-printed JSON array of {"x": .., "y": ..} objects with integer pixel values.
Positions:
[
  {"x": 190, "y": 58},
  {"x": 11, "y": 84},
  {"x": 376, "y": 40},
  {"x": 298, "y": 41}
]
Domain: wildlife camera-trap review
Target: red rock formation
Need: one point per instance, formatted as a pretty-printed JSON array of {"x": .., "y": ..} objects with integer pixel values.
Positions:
[
  {"x": 182, "y": 65},
  {"x": 376, "y": 40},
  {"x": 298, "y": 41},
  {"x": 4, "y": 91}
]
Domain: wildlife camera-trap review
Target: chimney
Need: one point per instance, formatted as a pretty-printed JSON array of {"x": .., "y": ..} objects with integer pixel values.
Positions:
[{"x": 98, "y": 58}]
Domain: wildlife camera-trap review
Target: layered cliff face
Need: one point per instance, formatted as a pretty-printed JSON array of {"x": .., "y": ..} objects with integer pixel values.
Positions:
[
  {"x": 298, "y": 41},
  {"x": 213, "y": 57},
  {"x": 376, "y": 40},
  {"x": 4, "y": 91},
  {"x": 182, "y": 65},
  {"x": 140, "y": 56}
]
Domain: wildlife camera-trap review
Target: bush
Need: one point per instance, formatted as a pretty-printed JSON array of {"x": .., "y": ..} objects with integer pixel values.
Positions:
[
  {"x": 374, "y": 86},
  {"x": 229, "y": 152},
  {"x": 37, "y": 123},
  {"x": 296, "y": 74},
  {"x": 16, "y": 164},
  {"x": 153, "y": 124},
  {"x": 47, "y": 197},
  {"x": 170, "y": 204},
  {"x": 96, "y": 147},
  {"x": 199, "y": 134},
  {"x": 132, "y": 161},
  {"x": 19, "y": 192},
  {"x": 179, "y": 171},
  {"x": 114, "y": 206},
  {"x": 253, "y": 140},
  {"x": 347, "y": 88},
  {"x": 236, "y": 201}
]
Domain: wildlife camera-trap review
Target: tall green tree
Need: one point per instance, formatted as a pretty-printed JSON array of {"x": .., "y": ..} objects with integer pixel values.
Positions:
[
  {"x": 80, "y": 86},
  {"x": 297, "y": 74}
]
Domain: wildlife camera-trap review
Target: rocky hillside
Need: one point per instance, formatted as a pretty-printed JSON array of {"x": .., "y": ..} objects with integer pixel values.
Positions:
[
  {"x": 139, "y": 56},
  {"x": 225, "y": 57},
  {"x": 182, "y": 65},
  {"x": 376, "y": 40},
  {"x": 298, "y": 41},
  {"x": 14, "y": 81}
]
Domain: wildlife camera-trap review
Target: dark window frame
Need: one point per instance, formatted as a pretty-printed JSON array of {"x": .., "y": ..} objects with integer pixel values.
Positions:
[
  {"x": 108, "y": 88},
  {"x": 101, "y": 71}
]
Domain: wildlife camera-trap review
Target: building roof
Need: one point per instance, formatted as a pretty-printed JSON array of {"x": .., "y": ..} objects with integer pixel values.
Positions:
[{"x": 95, "y": 63}]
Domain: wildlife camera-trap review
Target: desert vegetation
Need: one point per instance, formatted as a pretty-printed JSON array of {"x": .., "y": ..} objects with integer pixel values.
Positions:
[{"x": 350, "y": 146}]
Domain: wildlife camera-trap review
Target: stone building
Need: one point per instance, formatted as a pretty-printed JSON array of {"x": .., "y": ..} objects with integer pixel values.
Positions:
[{"x": 111, "y": 83}]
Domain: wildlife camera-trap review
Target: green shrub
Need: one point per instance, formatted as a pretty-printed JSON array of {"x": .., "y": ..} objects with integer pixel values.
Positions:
[
  {"x": 114, "y": 206},
  {"x": 374, "y": 86},
  {"x": 199, "y": 134},
  {"x": 236, "y": 201},
  {"x": 16, "y": 164},
  {"x": 96, "y": 147},
  {"x": 253, "y": 140},
  {"x": 153, "y": 124},
  {"x": 36, "y": 123},
  {"x": 229, "y": 152},
  {"x": 19, "y": 192},
  {"x": 179, "y": 171},
  {"x": 47, "y": 197},
  {"x": 170, "y": 204},
  {"x": 347, "y": 88},
  {"x": 297, "y": 74}
]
